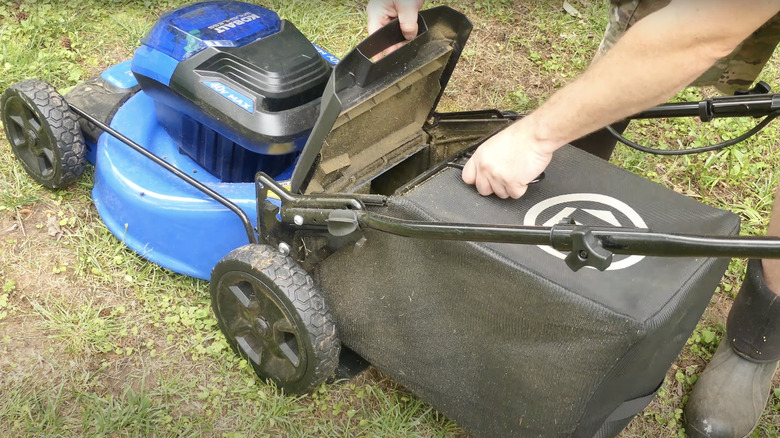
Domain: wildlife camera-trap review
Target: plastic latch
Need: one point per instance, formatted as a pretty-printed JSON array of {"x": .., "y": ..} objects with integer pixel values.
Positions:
[
  {"x": 342, "y": 222},
  {"x": 587, "y": 251},
  {"x": 761, "y": 87}
]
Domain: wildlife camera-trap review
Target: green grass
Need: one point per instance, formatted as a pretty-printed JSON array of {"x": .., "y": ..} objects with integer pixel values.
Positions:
[{"x": 96, "y": 341}]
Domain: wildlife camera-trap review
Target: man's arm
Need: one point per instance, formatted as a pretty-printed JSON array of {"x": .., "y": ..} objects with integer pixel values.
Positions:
[{"x": 657, "y": 57}]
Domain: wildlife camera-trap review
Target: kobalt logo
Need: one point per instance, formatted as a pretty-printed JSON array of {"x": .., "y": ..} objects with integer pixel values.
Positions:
[
  {"x": 586, "y": 209},
  {"x": 234, "y": 22},
  {"x": 232, "y": 95}
]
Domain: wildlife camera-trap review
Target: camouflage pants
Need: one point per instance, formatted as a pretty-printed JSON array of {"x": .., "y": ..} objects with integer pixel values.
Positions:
[{"x": 734, "y": 72}]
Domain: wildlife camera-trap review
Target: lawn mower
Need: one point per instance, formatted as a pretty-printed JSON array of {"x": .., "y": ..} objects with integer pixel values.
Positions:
[{"x": 322, "y": 199}]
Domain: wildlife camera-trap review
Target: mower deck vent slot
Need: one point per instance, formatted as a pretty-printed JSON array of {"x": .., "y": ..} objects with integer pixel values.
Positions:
[{"x": 225, "y": 159}]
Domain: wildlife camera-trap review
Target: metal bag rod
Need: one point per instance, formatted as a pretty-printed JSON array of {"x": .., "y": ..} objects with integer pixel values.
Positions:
[{"x": 636, "y": 241}]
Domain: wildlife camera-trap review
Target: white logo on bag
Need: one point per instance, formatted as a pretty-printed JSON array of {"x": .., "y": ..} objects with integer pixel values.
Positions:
[{"x": 608, "y": 216}]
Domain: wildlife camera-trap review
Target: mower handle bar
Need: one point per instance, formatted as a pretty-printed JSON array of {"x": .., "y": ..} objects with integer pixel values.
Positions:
[
  {"x": 618, "y": 240},
  {"x": 749, "y": 105}
]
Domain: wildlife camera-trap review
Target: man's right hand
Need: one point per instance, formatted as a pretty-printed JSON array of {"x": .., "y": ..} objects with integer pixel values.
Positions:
[
  {"x": 381, "y": 12},
  {"x": 506, "y": 163}
]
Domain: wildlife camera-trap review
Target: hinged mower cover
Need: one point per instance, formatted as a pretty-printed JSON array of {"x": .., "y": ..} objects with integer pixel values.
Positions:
[{"x": 372, "y": 113}]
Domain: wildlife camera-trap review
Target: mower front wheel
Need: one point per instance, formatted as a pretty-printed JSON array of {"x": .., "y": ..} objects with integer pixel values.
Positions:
[
  {"x": 274, "y": 316},
  {"x": 44, "y": 133}
]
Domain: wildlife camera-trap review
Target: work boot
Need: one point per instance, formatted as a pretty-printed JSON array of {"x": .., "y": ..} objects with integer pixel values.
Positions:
[
  {"x": 729, "y": 397},
  {"x": 731, "y": 394}
]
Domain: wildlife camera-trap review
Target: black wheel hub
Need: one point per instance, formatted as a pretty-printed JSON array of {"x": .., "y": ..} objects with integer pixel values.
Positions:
[
  {"x": 26, "y": 134},
  {"x": 262, "y": 327}
]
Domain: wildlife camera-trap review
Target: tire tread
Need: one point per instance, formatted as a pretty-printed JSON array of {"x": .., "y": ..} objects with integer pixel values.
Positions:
[
  {"x": 63, "y": 125},
  {"x": 300, "y": 290}
]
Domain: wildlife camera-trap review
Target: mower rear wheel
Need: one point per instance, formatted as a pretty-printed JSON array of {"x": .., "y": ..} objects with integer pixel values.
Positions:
[
  {"x": 44, "y": 133},
  {"x": 273, "y": 315}
]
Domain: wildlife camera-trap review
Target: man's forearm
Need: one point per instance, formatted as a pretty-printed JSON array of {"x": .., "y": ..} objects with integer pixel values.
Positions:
[{"x": 656, "y": 58}]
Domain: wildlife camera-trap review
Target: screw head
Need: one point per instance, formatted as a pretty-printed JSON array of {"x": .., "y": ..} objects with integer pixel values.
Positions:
[
  {"x": 298, "y": 219},
  {"x": 262, "y": 326},
  {"x": 31, "y": 137},
  {"x": 284, "y": 248}
]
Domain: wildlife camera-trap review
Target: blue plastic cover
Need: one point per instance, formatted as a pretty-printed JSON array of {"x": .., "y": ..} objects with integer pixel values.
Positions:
[
  {"x": 186, "y": 31},
  {"x": 120, "y": 76},
  {"x": 154, "y": 64},
  {"x": 156, "y": 214}
]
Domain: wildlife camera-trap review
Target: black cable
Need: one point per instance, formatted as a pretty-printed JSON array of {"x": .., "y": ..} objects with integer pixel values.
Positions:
[{"x": 771, "y": 116}]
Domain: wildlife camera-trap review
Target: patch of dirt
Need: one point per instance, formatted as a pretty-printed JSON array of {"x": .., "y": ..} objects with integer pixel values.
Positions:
[
  {"x": 32, "y": 250},
  {"x": 19, "y": 15},
  {"x": 488, "y": 72},
  {"x": 24, "y": 348},
  {"x": 495, "y": 64}
]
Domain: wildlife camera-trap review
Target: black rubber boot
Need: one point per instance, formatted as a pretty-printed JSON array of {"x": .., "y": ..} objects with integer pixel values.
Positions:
[
  {"x": 731, "y": 394},
  {"x": 754, "y": 321}
]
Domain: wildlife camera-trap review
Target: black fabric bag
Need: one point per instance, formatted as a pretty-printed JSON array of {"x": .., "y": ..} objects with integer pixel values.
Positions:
[{"x": 505, "y": 339}]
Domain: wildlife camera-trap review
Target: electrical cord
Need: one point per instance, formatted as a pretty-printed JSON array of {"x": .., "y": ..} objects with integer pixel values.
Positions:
[{"x": 755, "y": 130}]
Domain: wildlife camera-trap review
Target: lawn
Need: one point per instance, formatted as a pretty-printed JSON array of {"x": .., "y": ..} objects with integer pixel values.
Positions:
[{"x": 96, "y": 341}]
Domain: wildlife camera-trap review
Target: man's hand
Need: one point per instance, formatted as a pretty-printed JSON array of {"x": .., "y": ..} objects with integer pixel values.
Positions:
[
  {"x": 506, "y": 163},
  {"x": 381, "y": 12}
]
